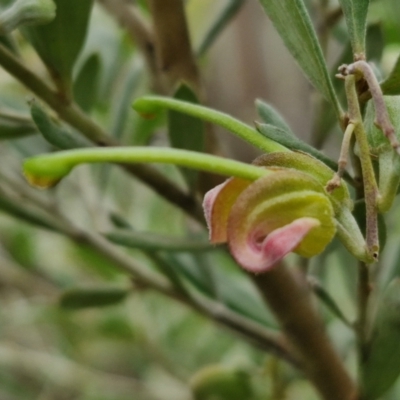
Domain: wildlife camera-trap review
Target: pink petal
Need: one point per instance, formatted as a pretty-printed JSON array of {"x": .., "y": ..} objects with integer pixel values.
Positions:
[
  {"x": 257, "y": 255},
  {"x": 217, "y": 205}
]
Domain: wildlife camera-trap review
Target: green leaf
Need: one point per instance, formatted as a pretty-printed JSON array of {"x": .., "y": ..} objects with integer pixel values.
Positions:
[
  {"x": 391, "y": 85},
  {"x": 55, "y": 134},
  {"x": 14, "y": 125},
  {"x": 59, "y": 42},
  {"x": 382, "y": 365},
  {"x": 287, "y": 139},
  {"x": 270, "y": 116},
  {"x": 293, "y": 24},
  {"x": 375, "y": 42},
  {"x": 86, "y": 83},
  {"x": 222, "y": 19},
  {"x": 78, "y": 298},
  {"x": 186, "y": 132},
  {"x": 355, "y": 12},
  {"x": 151, "y": 241}
]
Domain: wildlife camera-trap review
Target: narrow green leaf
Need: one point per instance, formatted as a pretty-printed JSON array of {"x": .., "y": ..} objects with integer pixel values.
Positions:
[
  {"x": 375, "y": 42},
  {"x": 293, "y": 24},
  {"x": 86, "y": 83},
  {"x": 17, "y": 210},
  {"x": 328, "y": 300},
  {"x": 355, "y": 12},
  {"x": 382, "y": 366},
  {"x": 290, "y": 141},
  {"x": 79, "y": 298},
  {"x": 53, "y": 133},
  {"x": 59, "y": 42},
  {"x": 150, "y": 241},
  {"x": 222, "y": 19},
  {"x": 270, "y": 116},
  {"x": 186, "y": 132},
  {"x": 391, "y": 85},
  {"x": 15, "y": 126}
]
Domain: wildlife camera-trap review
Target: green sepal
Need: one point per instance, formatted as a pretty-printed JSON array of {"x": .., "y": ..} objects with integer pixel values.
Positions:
[
  {"x": 60, "y": 42},
  {"x": 382, "y": 365},
  {"x": 79, "y": 298}
]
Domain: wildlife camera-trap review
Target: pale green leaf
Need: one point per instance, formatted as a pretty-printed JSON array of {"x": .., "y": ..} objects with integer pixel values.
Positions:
[{"x": 355, "y": 12}]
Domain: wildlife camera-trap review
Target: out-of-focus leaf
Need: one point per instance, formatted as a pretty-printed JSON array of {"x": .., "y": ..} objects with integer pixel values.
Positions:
[
  {"x": 375, "y": 42},
  {"x": 86, "y": 83},
  {"x": 222, "y": 19},
  {"x": 270, "y": 116},
  {"x": 216, "y": 382},
  {"x": 355, "y": 12},
  {"x": 59, "y": 42},
  {"x": 53, "y": 133},
  {"x": 121, "y": 106},
  {"x": 186, "y": 132},
  {"x": 26, "y": 12},
  {"x": 25, "y": 214},
  {"x": 20, "y": 244},
  {"x": 292, "y": 142},
  {"x": 15, "y": 126},
  {"x": 391, "y": 85},
  {"x": 293, "y": 24},
  {"x": 382, "y": 365},
  {"x": 151, "y": 241},
  {"x": 78, "y": 298}
]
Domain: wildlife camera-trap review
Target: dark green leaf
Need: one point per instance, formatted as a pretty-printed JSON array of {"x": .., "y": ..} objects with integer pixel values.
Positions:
[
  {"x": 375, "y": 42},
  {"x": 382, "y": 365},
  {"x": 270, "y": 116},
  {"x": 391, "y": 85},
  {"x": 55, "y": 134},
  {"x": 222, "y": 19},
  {"x": 355, "y": 12},
  {"x": 186, "y": 132},
  {"x": 75, "y": 299},
  {"x": 293, "y": 24},
  {"x": 86, "y": 83},
  {"x": 59, "y": 42},
  {"x": 292, "y": 142}
]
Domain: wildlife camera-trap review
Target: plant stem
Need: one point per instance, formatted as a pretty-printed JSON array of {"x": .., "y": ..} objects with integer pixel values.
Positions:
[
  {"x": 370, "y": 186},
  {"x": 290, "y": 301},
  {"x": 56, "y": 165},
  {"x": 364, "y": 290},
  {"x": 174, "y": 55},
  {"x": 149, "y": 105},
  {"x": 71, "y": 113}
]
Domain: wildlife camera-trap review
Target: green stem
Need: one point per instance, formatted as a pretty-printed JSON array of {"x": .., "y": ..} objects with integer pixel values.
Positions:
[
  {"x": 149, "y": 105},
  {"x": 370, "y": 186},
  {"x": 46, "y": 170}
]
